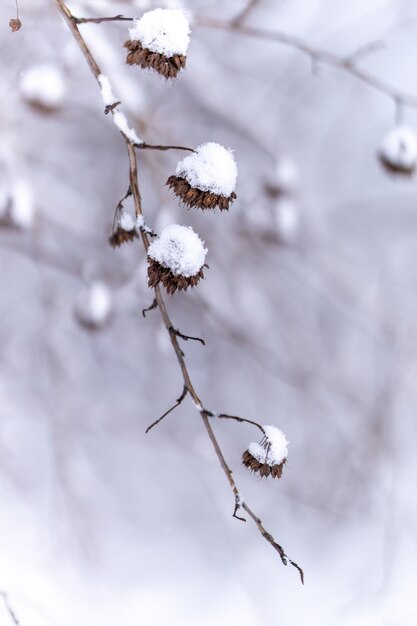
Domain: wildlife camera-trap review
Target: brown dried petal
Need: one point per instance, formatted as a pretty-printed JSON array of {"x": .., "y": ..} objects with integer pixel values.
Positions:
[
  {"x": 168, "y": 67},
  {"x": 193, "y": 197}
]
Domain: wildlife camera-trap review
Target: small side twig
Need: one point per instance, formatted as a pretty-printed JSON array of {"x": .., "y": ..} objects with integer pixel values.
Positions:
[
  {"x": 153, "y": 306},
  {"x": 99, "y": 20},
  {"x": 238, "y": 504},
  {"x": 237, "y": 419},
  {"x": 9, "y": 609},
  {"x": 148, "y": 146},
  {"x": 177, "y": 403},
  {"x": 244, "y": 13},
  {"x": 186, "y": 337}
]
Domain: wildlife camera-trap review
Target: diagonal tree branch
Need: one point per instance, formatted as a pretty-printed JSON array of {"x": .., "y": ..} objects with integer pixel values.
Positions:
[{"x": 188, "y": 386}]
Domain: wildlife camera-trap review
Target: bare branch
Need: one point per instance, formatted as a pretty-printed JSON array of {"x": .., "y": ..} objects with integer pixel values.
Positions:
[
  {"x": 186, "y": 337},
  {"x": 9, "y": 609},
  {"x": 241, "y": 17},
  {"x": 188, "y": 386},
  {"x": 317, "y": 55},
  {"x": 147, "y": 146},
  {"x": 237, "y": 419},
  {"x": 99, "y": 20},
  {"x": 153, "y": 306},
  {"x": 177, "y": 403}
]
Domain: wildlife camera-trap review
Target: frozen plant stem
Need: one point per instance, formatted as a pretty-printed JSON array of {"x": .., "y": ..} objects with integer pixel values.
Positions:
[{"x": 72, "y": 22}]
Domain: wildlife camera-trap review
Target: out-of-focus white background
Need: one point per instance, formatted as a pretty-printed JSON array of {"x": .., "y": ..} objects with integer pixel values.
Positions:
[{"x": 309, "y": 311}]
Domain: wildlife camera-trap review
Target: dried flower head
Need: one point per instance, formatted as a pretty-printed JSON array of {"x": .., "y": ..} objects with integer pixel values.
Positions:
[
  {"x": 176, "y": 259},
  {"x": 268, "y": 457},
  {"x": 206, "y": 179},
  {"x": 159, "y": 41},
  {"x": 125, "y": 230},
  {"x": 15, "y": 24},
  {"x": 398, "y": 151}
]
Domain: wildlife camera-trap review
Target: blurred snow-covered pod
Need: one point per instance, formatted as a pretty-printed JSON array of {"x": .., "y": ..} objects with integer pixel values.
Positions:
[
  {"x": 94, "y": 306},
  {"x": 17, "y": 205},
  {"x": 398, "y": 150},
  {"x": 286, "y": 219},
  {"x": 43, "y": 86}
]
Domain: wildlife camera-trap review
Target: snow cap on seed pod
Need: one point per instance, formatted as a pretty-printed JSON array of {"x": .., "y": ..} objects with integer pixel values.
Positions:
[
  {"x": 398, "y": 150},
  {"x": 176, "y": 259},
  {"x": 159, "y": 41},
  {"x": 206, "y": 179},
  {"x": 268, "y": 457}
]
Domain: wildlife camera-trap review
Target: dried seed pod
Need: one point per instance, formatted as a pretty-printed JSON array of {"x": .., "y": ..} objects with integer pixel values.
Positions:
[
  {"x": 176, "y": 259},
  {"x": 398, "y": 151},
  {"x": 125, "y": 230},
  {"x": 268, "y": 457},
  {"x": 159, "y": 41},
  {"x": 206, "y": 179}
]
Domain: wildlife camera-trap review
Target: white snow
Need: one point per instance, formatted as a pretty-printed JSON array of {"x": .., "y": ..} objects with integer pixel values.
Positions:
[
  {"x": 106, "y": 91},
  {"x": 180, "y": 249},
  {"x": 121, "y": 122},
  {"x": 399, "y": 148},
  {"x": 275, "y": 448},
  {"x": 287, "y": 219},
  {"x": 43, "y": 85},
  {"x": 211, "y": 168},
  {"x": 166, "y": 31},
  {"x": 126, "y": 222},
  {"x": 22, "y": 207},
  {"x": 286, "y": 175},
  {"x": 94, "y": 305}
]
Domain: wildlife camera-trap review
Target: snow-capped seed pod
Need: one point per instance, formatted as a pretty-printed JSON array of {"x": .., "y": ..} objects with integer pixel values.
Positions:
[
  {"x": 176, "y": 259},
  {"x": 206, "y": 179},
  {"x": 398, "y": 150},
  {"x": 159, "y": 41},
  {"x": 44, "y": 87},
  {"x": 268, "y": 457},
  {"x": 125, "y": 230},
  {"x": 94, "y": 306}
]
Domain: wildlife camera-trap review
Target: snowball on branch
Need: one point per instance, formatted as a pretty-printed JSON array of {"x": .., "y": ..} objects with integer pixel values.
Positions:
[
  {"x": 176, "y": 259},
  {"x": 398, "y": 150},
  {"x": 206, "y": 178}
]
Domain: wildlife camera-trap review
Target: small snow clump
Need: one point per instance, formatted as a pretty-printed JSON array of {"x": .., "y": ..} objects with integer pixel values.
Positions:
[
  {"x": 398, "y": 150},
  {"x": 43, "y": 86},
  {"x": 179, "y": 249},
  {"x": 165, "y": 31},
  {"x": 94, "y": 306},
  {"x": 210, "y": 168}
]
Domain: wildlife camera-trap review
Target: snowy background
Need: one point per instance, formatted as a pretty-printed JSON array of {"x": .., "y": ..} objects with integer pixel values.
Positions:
[{"x": 309, "y": 312}]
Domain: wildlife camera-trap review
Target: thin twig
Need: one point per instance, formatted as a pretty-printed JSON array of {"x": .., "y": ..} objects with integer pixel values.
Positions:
[
  {"x": 153, "y": 306},
  {"x": 177, "y": 403},
  {"x": 99, "y": 20},
  {"x": 237, "y": 419},
  {"x": 241, "y": 17},
  {"x": 9, "y": 609},
  {"x": 317, "y": 55},
  {"x": 134, "y": 186},
  {"x": 147, "y": 146},
  {"x": 187, "y": 337}
]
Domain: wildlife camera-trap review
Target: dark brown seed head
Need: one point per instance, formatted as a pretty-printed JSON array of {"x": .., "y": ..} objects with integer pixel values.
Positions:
[
  {"x": 168, "y": 67},
  {"x": 263, "y": 469},
  {"x": 157, "y": 273},
  {"x": 120, "y": 236},
  {"x": 195, "y": 198}
]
